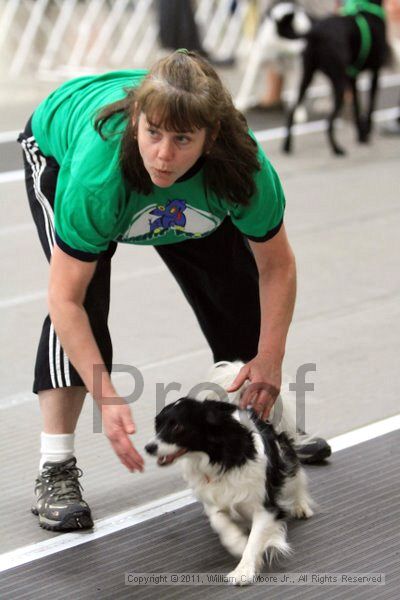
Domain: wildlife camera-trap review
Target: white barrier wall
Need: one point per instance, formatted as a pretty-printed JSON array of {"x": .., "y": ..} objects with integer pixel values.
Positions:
[
  {"x": 50, "y": 39},
  {"x": 57, "y": 39}
]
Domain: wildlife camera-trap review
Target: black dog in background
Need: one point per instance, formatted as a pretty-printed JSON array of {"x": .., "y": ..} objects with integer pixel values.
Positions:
[{"x": 341, "y": 47}]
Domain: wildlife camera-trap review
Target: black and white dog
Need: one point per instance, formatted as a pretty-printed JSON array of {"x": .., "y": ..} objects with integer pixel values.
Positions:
[
  {"x": 246, "y": 473},
  {"x": 292, "y": 22},
  {"x": 279, "y": 40},
  {"x": 341, "y": 47}
]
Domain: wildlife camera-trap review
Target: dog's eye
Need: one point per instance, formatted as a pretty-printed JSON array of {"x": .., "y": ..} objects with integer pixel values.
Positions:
[{"x": 177, "y": 428}]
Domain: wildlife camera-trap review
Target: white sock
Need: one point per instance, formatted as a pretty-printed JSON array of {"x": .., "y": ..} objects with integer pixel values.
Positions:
[{"x": 56, "y": 447}]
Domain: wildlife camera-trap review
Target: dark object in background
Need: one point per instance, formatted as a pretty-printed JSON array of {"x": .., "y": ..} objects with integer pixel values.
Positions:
[
  {"x": 178, "y": 29},
  {"x": 337, "y": 47}
]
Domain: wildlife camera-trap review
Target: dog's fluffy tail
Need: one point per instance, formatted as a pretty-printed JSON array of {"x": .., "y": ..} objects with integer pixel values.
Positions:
[
  {"x": 283, "y": 414},
  {"x": 222, "y": 374},
  {"x": 277, "y": 546}
]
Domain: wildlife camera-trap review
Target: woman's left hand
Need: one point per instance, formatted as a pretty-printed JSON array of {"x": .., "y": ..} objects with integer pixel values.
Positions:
[{"x": 265, "y": 376}]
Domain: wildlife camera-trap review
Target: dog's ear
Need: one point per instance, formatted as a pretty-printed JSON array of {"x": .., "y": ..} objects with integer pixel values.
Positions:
[
  {"x": 212, "y": 417},
  {"x": 216, "y": 410},
  {"x": 220, "y": 406}
]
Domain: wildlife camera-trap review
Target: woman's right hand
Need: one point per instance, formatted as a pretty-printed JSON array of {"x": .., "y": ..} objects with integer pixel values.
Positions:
[{"x": 118, "y": 425}]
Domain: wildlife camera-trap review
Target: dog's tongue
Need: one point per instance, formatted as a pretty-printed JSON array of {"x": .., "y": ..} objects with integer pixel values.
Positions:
[{"x": 169, "y": 458}]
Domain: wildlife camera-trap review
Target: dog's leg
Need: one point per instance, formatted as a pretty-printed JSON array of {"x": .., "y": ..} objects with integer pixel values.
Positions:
[
  {"x": 356, "y": 108},
  {"x": 296, "y": 496},
  {"x": 267, "y": 533},
  {"x": 308, "y": 73},
  {"x": 287, "y": 144},
  {"x": 338, "y": 84},
  {"x": 367, "y": 122},
  {"x": 231, "y": 536}
]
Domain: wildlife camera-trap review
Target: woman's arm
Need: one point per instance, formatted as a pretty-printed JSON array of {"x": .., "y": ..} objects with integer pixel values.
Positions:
[
  {"x": 277, "y": 286},
  {"x": 69, "y": 280}
]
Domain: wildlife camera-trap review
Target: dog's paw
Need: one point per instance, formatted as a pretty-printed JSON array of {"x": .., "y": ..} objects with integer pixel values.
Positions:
[
  {"x": 364, "y": 131},
  {"x": 287, "y": 147},
  {"x": 244, "y": 574},
  {"x": 302, "y": 511},
  {"x": 339, "y": 151},
  {"x": 363, "y": 137}
]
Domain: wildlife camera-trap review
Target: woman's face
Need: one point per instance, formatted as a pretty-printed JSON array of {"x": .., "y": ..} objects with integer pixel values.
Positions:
[{"x": 167, "y": 155}]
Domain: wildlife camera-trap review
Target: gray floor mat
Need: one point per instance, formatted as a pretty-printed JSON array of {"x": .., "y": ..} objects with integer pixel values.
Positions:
[{"x": 355, "y": 530}]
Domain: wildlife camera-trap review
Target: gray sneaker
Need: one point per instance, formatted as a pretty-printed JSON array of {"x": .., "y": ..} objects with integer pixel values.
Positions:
[
  {"x": 58, "y": 499},
  {"x": 310, "y": 449}
]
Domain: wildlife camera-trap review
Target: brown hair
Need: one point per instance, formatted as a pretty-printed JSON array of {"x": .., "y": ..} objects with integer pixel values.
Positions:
[{"x": 182, "y": 92}]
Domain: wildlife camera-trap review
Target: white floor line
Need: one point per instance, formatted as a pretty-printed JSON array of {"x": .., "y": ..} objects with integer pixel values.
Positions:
[
  {"x": 40, "y": 294},
  {"x": 319, "y": 91},
  {"x": 386, "y": 81},
  {"x": 10, "y": 176},
  {"x": 17, "y": 399},
  {"x": 174, "y": 359},
  {"x": 167, "y": 504},
  {"x": 277, "y": 133},
  {"x": 23, "y": 299},
  {"x": 24, "y": 397},
  {"x": 20, "y": 228},
  {"x": 262, "y": 136},
  {"x": 8, "y": 136},
  {"x": 103, "y": 527},
  {"x": 363, "y": 434}
]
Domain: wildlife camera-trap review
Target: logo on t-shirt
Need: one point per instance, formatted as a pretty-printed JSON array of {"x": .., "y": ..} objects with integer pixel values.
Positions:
[
  {"x": 170, "y": 216},
  {"x": 175, "y": 217}
]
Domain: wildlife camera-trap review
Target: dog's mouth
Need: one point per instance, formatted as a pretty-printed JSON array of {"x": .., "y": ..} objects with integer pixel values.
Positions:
[{"x": 168, "y": 459}]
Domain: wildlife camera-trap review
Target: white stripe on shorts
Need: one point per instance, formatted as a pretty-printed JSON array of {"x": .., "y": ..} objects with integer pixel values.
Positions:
[{"x": 37, "y": 162}]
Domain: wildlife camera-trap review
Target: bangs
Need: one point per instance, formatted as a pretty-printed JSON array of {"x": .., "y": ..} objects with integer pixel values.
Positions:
[{"x": 176, "y": 111}]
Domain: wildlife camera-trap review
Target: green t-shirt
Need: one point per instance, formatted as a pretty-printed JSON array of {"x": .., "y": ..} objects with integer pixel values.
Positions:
[{"x": 94, "y": 205}]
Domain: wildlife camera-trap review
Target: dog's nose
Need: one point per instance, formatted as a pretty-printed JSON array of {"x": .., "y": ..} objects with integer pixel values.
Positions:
[{"x": 151, "y": 448}]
